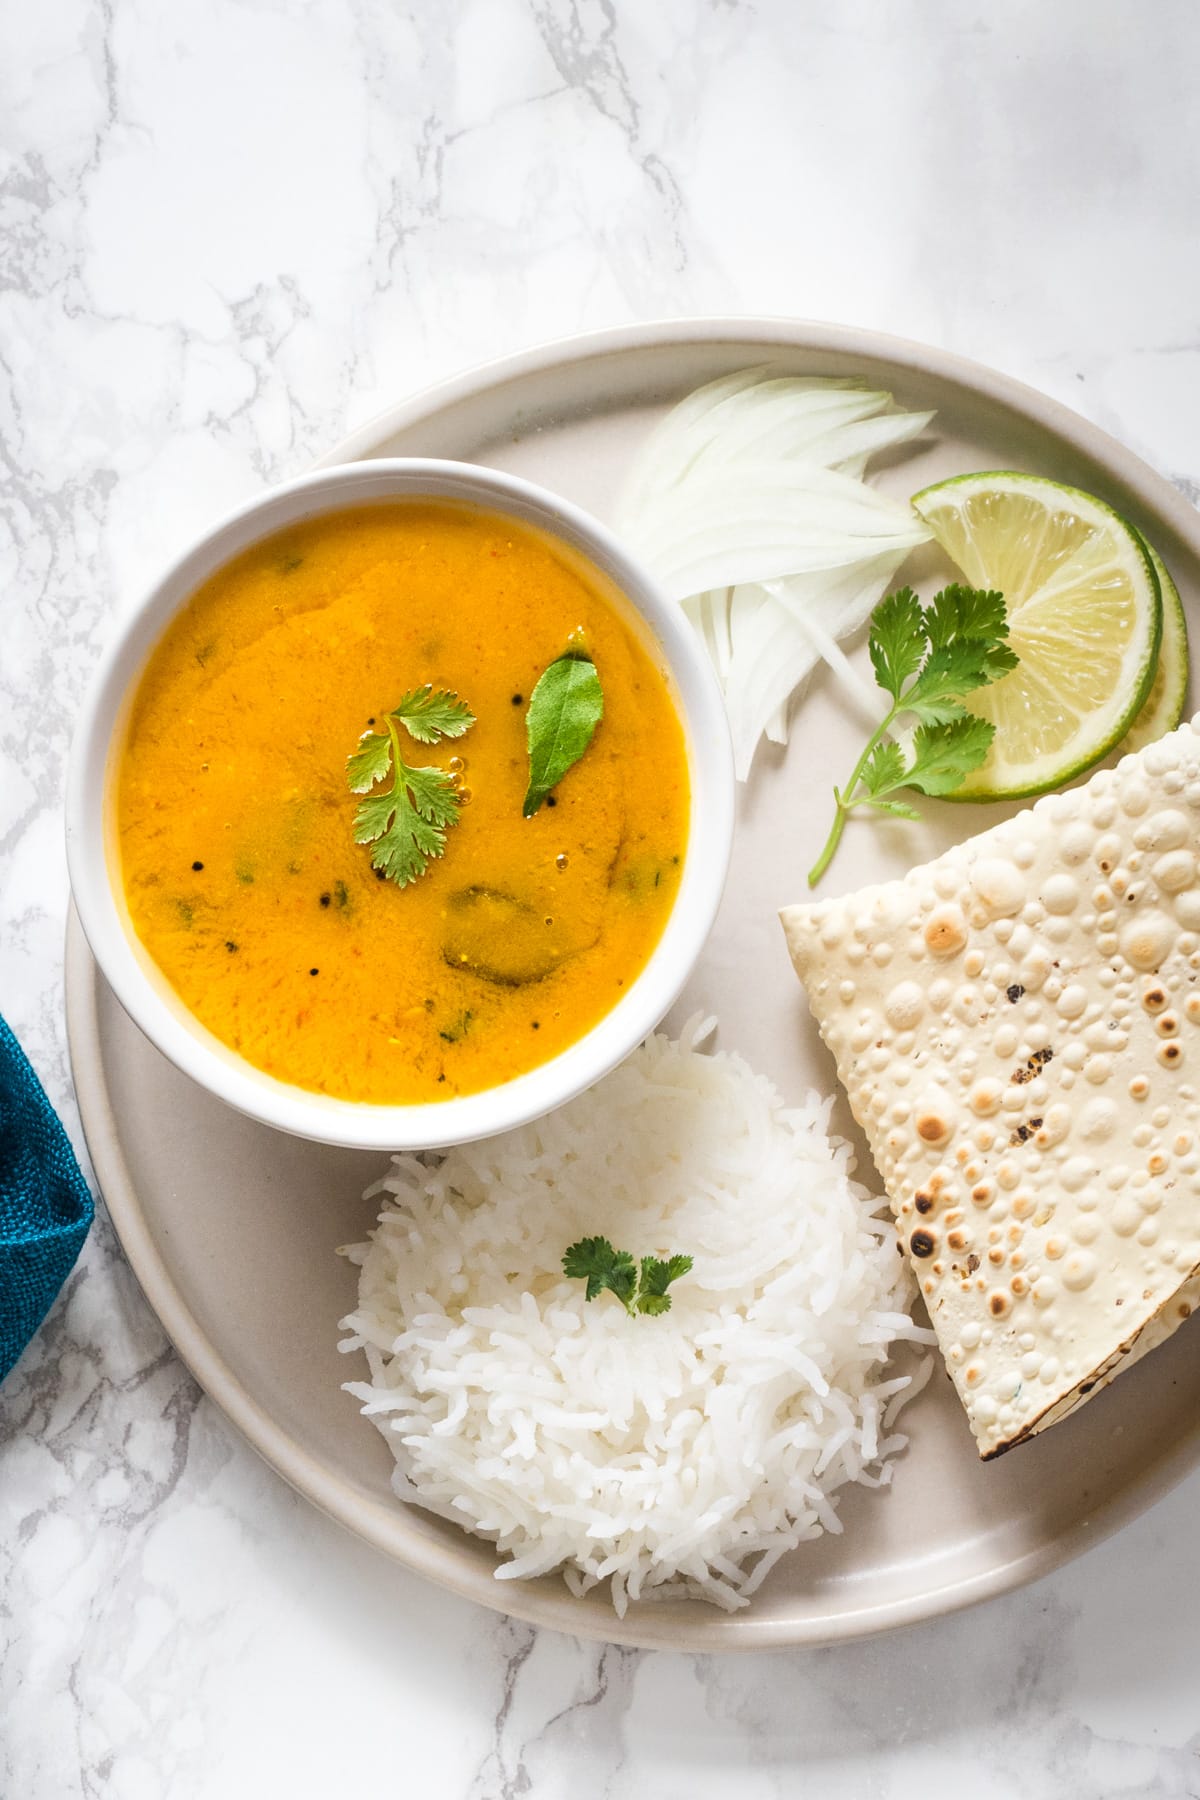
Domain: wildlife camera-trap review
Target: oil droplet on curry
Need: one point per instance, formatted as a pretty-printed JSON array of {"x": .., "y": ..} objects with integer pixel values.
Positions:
[{"x": 235, "y": 820}]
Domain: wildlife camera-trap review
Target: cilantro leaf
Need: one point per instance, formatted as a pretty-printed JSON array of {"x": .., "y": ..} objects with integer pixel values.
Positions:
[
  {"x": 374, "y": 817},
  {"x": 370, "y": 762},
  {"x": 928, "y": 659},
  {"x": 897, "y": 640},
  {"x": 960, "y": 615},
  {"x": 407, "y": 822},
  {"x": 405, "y": 843},
  {"x": 965, "y": 612},
  {"x": 640, "y": 1288},
  {"x": 430, "y": 713},
  {"x": 896, "y": 809},
  {"x": 656, "y": 1278},
  {"x": 884, "y": 769},
  {"x": 944, "y": 755},
  {"x": 433, "y": 794},
  {"x": 595, "y": 1261},
  {"x": 564, "y": 710},
  {"x": 947, "y": 674},
  {"x": 999, "y": 660}
]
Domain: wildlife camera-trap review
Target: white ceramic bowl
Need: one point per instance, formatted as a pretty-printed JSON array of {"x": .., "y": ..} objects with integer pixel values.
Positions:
[{"x": 149, "y": 998}]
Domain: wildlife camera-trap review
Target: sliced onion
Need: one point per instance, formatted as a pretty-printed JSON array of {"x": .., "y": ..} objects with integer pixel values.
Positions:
[
  {"x": 757, "y": 521},
  {"x": 749, "y": 504},
  {"x": 864, "y": 699},
  {"x": 773, "y": 653}
]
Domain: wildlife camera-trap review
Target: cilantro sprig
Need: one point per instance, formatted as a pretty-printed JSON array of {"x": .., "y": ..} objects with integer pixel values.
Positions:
[
  {"x": 927, "y": 658},
  {"x": 407, "y": 822},
  {"x": 641, "y": 1288}
]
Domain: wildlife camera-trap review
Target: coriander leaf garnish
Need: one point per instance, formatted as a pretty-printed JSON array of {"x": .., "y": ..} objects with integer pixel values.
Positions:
[
  {"x": 884, "y": 769},
  {"x": 897, "y": 640},
  {"x": 656, "y": 1278},
  {"x": 595, "y": 1261},
  {"x": 640, "y": 1288},
  {"x": 944, "y": 755},
  {"x": 927, "y": 658},
  {"x": 407, "y": 823},
  {"x": 430, "y": 713},
  {"x": 370, "y": 762},
  {"x": 564, "y": 710},
  {"x": 960, "y": 612}
]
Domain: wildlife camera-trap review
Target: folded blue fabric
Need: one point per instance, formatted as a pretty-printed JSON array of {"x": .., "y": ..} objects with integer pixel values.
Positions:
[{"x": 45, "y": 1206}]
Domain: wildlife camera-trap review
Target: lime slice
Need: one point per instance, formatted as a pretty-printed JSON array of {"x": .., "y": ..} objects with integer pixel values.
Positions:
[
  {"x": 1163, "y": 706},
  {"x": 1084, "y": 615}
]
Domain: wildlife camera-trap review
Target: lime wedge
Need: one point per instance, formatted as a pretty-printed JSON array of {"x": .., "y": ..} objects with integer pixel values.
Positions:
[
  {"x": 1085, "y": 618},
  {"x": 1163, "y": 706}
]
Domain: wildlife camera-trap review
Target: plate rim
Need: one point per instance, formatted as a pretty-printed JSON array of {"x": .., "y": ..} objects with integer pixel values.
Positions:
[{"x": 375, "y": 1522}]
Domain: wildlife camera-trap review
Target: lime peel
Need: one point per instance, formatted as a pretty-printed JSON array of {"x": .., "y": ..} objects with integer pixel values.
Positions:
[
  {"x": 1085, "y": 616},
  {"x": 1165, "y": 704}
]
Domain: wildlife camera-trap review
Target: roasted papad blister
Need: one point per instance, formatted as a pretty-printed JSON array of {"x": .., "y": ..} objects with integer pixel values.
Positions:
[{"x": 1017, "y": 1027}]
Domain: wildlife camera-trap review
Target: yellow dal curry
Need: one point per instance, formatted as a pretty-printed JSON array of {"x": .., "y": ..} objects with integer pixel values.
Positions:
[{"x": 235, "y": 820}]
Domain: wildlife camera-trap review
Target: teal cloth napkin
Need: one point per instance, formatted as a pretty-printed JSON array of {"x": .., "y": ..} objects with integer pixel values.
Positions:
[{"x": 45, "y": 1206}]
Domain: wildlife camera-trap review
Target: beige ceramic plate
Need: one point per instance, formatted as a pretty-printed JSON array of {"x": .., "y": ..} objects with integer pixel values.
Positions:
[{"x": 231, "y": 1228}]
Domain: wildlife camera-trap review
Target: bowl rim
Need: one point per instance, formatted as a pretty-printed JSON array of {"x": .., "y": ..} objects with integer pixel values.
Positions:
[{"x": 146, "y": 995}]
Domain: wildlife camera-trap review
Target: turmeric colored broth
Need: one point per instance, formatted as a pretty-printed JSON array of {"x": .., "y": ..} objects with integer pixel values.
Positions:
[{"x": 235, "y": 820}]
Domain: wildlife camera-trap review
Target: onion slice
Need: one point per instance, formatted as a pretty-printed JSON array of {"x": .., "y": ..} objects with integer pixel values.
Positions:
[{"x": 748, "y": 503}]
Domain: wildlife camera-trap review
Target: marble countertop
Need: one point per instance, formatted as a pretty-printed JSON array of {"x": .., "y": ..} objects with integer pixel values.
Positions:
[{"x": 232, "y": 229}]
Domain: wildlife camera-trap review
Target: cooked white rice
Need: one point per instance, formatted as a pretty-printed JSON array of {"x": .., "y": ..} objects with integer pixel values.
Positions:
[{"x": 683, "y": 1453}]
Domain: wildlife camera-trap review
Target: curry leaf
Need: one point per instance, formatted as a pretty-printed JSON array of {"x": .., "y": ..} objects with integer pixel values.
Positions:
[{"x": 564, "y": 710}]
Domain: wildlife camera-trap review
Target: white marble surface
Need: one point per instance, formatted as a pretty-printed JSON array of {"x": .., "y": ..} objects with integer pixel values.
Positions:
[{"x": 230, "y": 230}]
